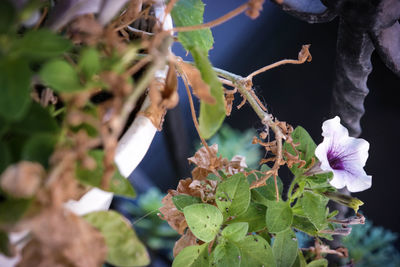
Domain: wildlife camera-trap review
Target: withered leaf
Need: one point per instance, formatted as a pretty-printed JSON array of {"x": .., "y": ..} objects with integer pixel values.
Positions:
[
  {"x": 200, "y": 88},
  {"x": 188, "y": 239},
  {"x": 172, "y": 215}
]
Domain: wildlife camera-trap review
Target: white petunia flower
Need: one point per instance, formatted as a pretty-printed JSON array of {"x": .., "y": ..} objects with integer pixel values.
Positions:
[{"x": 343, "y": 155}]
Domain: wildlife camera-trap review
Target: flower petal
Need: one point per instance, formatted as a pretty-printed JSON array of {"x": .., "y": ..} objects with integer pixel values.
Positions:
[
  {"x": 333, "y": 129},
  {"x": 339, "y": 179},
  {"x": 321, "y": 152},
  {"x": 356, "y": 151}
]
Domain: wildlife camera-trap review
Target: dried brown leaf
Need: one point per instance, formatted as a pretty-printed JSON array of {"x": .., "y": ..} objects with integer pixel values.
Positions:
[
  {"x": 304, "y": 54},
  {"x": 172, "y": 215},
  {"x": 188, "y": 239},
  {"x": 60, "y": 238},
  {"x": 200, "y": 88},
  {"x": 255, "y": 6},
  {"x": 22, "y": 180}
]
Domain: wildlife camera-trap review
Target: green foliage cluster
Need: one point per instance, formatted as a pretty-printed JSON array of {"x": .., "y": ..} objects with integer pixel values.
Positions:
[{"x": 249, "y": 227}]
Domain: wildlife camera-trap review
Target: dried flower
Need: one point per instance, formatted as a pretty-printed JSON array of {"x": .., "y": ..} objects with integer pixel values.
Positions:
[{"x": 343, "y": 155}]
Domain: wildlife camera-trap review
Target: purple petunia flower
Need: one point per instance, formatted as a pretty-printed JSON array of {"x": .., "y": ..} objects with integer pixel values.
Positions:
[{"x": 343, "y": 155}]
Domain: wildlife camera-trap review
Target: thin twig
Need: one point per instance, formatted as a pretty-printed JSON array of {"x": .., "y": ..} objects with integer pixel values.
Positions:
[
  {"x": 194, "y": 117},
  {"x": 215, "y": 22},
  {"x": 136, "y": 67},
  {"x": 41, "y": 19}
]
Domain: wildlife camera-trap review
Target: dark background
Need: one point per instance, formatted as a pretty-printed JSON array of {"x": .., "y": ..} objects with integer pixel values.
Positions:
[{"x": 297, "y": 94}]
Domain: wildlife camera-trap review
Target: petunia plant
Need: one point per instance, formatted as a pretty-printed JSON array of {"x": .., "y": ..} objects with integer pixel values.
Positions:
[{"x": 84, "y": 87}]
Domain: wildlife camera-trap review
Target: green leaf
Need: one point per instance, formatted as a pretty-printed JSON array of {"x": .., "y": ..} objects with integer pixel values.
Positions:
[
  {"x": 119, "y": 185},
  {"x": 211, "y": 116},
  {"x": 15, "y": 79},
  {"x": 314, "y": 207},
  {"x": 279, "y": 216},
  {"x": 123, "y": 246},
  {"x": 42, "y": 44},
  {"x": 192, "y": 256},
  {"x": 7, "y": 16},
  {"x": 304, "y": 224},
  {"x": 180, "y": 14},
  {"x": 204, "y": 220},
  {"x": 255, "y": 251},
  {"x": 5, "y": 156},
  {"x": 181, "y": 201},
  {"x": 318, "y": 263},
  {"x": 39, "y": 148},
  {"x": 5, "y": 246},
  {"x": 89, "y": 62},
  {"x": 300, "y": 261},
  {"x": 60, "y": 76},
  {"x": 226, "y": 254},
  {"x": 233, "y": 195},
  {"x": 235, "y": 231},
  {"x": 285, "y": 248},
  {"x": 12, "y": 209},
  {"x": 36, "y": 120},
  {"x": 306, "y": 148},
  {"x": 254, "y": 216},
  {"x": 265, "y": 193}
]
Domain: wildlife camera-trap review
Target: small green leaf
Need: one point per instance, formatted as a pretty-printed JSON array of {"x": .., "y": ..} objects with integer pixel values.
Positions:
[
  {"x": 279, "y": 216},
  {"x": 192, "y": 256},
  {"x": 254, "y": 216},
  {"x": 123, "y": 246},
  {"x": 285, "y": 248},
  {"x": 204, "y": 220},
  {"x": 318, "y": 263},
  {"x": 211, "y": 116},
  {"x": 5, "y": 156},
  {"x": 306, "y": 148},
  {"x": 201, "y": 38},
  {"x": 235, "y": 231},
  {"x": 233, "y": 195},
  {"x": 7, "y": 16},
  {"x": 5, "y": 246},
  {"x": 89, "y": 62},
  {"x": 42, "y": 44},
  {"x": 181, "y": 201},
  {"x": 39, "y": 148},
  {"x": 305, "y": 225},
  {"x": 12, "y": 209},
  {"x": 226, "y": 254},
  {"x": 60, "y": 76},
  {"x": 255, "y": 251},
  {"x": 15, "y": 79},
  {"x": 345, "y": 200},
  {"x": 314, "y": 207},
  {"x": 119, "y": 185},
  {"x": 36, "y": 120},
  {"x": 300, "y": 261}
]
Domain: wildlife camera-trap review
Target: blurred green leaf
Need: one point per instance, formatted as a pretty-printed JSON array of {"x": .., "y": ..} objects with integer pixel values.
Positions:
[
  {"x": 15, "y": 78},
  {"x": 318, "y": 263},
  {"x": 7, "y": 16},
  {"x": 89, "y": 62},
  {"x": 254, "y": 216},
  {"x": 39, "y": 148},
  {"x": 5, "y": 246},
  {"x": 233, "y": 195},
  {"x": 5, "y": 156},
  {"x": 225, "y": 254},
  {"x": 123, "y": 246},
  {"x": 36, "y": 120},
  {"x": 60, "y": 76},
  {"x": 204, "y": 220},
  {"x": 42, "y": 44},
  {"x": 314, "y": 206},
  {"x": 192, "y": 256},
  {"x": 304, "y": 224},
  {"x": 181, "y": 201},
  {"x": 300, "y": 261},
  {"x": 12, "y": 209},
  {"x": 119, "y": 185}
]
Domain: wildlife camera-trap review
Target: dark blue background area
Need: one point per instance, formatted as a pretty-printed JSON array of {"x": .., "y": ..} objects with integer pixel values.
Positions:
[{"x": 298, "y": 94}]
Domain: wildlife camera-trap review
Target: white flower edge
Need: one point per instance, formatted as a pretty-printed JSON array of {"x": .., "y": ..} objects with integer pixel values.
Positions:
[{"x": 343, "y": 155}]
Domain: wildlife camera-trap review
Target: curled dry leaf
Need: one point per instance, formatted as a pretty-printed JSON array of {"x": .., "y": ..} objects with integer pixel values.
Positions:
[
  {"x": 200, "y": 88},
  {"x": 304, "y": 54},
  {"x": 22, "y": 180},
  {"x": 60, "y": 238},
  {"x": 207, "y": 162},
  {"x": 255, "y": 6},
  {"x": 188, "y": 239},
  {"x": 237, "y": 164},
  {"x": 172, "y": 215}
]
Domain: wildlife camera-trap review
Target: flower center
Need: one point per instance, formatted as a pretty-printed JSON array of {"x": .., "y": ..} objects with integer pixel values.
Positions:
[{"x": 335, "y": 161}]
